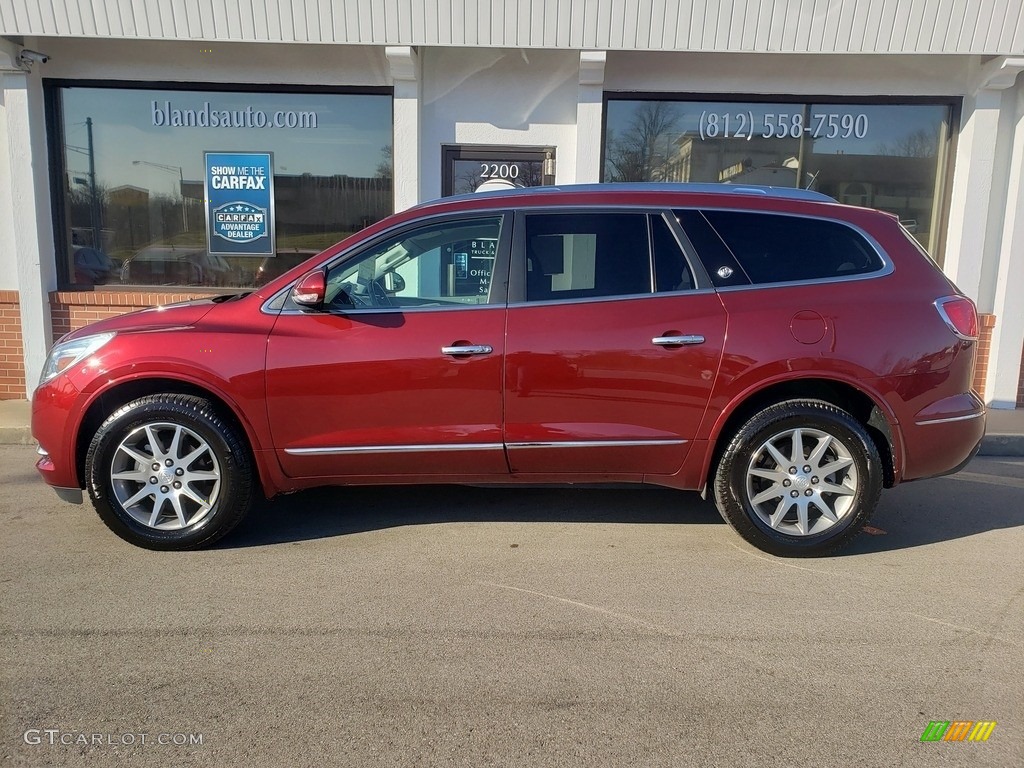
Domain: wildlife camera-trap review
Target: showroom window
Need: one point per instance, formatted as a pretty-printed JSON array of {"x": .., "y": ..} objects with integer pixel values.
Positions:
[
  {"x": 890, "y": 156},
  {"x": 165, "y": 186}
]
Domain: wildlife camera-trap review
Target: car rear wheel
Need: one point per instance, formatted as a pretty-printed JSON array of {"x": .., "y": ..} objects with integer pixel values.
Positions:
[
  {"x": 167, "y": 472},
  {"x": 799, "y": 479}
]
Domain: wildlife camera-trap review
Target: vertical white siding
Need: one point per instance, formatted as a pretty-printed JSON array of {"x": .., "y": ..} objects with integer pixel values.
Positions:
[{"x": 800, "y": 26}]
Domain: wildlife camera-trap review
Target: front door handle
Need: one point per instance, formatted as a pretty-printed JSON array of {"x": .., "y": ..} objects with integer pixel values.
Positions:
[
  {"x": 468, "y": 349},
  {"x": 677, "y": 341}
]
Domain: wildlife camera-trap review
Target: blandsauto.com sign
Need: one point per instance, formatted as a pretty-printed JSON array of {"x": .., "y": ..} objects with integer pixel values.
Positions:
[{"x": 240, "y": 203}]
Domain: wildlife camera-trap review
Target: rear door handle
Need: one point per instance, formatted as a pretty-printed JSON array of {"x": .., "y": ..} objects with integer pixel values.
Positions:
[
  {"x": 677, "y": 341},
  {"x": 468, "y": 349}
]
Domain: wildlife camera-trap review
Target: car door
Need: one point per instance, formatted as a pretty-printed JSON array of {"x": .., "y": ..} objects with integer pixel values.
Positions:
[
  {"x": 400, "y": 374},
  {"x": 612, "y": 346}
]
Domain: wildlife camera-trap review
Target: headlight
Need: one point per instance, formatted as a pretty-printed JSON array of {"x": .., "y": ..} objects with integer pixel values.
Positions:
[{"x": 69, "y": 353}]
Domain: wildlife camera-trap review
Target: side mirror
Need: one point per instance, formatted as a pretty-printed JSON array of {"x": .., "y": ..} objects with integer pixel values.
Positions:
[
  {"x": 310, "y": 291},
  {"x": 392, "y": 282}
]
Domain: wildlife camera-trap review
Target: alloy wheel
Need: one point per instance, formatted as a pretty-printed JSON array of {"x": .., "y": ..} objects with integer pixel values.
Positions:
[
  {"x": 165, "y": 476},
  {"x": 802, "y": 481}
]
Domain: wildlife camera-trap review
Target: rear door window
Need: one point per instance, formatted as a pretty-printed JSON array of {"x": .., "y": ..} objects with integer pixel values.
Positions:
[
  {"x": 586, "y": 255},
  {"x": 779, "y": 248}
]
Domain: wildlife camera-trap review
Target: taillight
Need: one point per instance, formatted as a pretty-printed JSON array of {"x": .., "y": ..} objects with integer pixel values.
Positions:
[{"x": 959, "y": 314}]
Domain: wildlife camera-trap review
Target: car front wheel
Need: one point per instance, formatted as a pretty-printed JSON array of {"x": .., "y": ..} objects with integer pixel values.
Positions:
[
  {"x": 799, "y": 479},
  {"x": 168, "y": 472}
]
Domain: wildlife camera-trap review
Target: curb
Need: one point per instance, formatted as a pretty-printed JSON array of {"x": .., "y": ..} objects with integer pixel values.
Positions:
[{"x": 1002, "y": 445}]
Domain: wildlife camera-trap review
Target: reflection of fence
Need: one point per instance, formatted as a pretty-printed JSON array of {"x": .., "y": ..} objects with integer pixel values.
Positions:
[{"x": 309, "y": 204}]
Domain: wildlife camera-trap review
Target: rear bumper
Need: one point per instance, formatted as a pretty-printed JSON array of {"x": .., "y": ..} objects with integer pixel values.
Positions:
[{"x": 943, "y": 438}]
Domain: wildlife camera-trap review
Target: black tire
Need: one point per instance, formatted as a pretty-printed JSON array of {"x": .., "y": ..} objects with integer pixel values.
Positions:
[
  {"x": 218, "y": 482},
  {"x": 748, "y": 470}
]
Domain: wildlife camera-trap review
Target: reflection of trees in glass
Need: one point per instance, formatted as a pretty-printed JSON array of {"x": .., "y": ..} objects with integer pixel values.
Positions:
[
  {"x": 386, "y": 164},
  {"x": 466, "y": 181},
  {"x": 644, "y": 150},
  {"x": 923, "y": 142},
  {"x": 467, "y": 174}
]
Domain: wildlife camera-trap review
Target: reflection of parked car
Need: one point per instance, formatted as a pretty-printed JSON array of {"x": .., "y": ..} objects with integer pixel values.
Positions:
[
  {"x": 92, "y": 266},
  {"x": 275, "y": 266},
  {"x": 787, "y": 355},
  {"x": 170, "y": 265}
]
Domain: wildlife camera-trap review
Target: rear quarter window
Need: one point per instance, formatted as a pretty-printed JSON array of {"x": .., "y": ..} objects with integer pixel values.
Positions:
[{"x": 778, "y": 248}]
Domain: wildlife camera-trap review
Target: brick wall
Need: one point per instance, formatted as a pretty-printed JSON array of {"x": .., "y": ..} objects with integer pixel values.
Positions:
[
  {"x": 986, "y": 323},
  {"x": 73, "y": 309},
  {"x": 12, "y": 353}
]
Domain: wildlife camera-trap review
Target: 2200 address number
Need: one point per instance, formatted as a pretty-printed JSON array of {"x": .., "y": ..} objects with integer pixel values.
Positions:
[{"x": 783, "y": 125}]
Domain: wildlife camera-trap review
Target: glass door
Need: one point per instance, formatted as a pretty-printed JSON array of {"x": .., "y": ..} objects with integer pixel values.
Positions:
[{"x": 466, "y": 169}]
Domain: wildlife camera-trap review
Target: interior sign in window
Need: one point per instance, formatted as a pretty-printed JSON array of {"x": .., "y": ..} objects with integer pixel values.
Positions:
[
  {"x": 240, "y": 203},
  {"x": 474, "y": 263}
]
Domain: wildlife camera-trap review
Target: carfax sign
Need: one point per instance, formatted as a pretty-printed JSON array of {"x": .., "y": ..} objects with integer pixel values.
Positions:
[{"x": 240, "y": 203}]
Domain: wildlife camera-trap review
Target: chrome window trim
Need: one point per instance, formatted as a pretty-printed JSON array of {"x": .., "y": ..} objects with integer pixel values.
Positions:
[
  {"x": 949, "y": 419},
  {"x": 363, "y": 449},
  {"x": 593, "y": 443},
  {"x": 626, "y": 297},
  {"x": 385, "y": 310},
  {"x": 885, "y": 272}
]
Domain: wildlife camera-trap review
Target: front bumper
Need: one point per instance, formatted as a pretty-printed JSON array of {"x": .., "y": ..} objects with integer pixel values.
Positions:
[{"x": 55, "y": 421}]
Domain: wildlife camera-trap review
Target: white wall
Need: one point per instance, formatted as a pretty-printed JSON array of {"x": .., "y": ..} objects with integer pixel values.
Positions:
[
  {"x": 8, "y": 248},
  {"x": 498, "y": 97}
]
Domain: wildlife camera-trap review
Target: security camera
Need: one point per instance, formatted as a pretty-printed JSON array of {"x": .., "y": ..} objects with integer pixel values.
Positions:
[{"x": 27, "y": 58}]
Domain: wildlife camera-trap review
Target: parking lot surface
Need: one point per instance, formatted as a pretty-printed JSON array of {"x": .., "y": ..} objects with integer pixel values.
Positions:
[{"x": 469, "y": 626}]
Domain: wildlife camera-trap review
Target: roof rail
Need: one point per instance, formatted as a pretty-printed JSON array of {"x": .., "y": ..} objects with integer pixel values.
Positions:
[{"x": 657, "y": 186}]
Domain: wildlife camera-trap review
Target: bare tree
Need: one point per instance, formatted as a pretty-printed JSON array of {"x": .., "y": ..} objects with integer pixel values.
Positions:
[
  {"x": 386, "y": 165},
  {"x": 644, "y": 150},
  {"x": 923, "y": 142}
]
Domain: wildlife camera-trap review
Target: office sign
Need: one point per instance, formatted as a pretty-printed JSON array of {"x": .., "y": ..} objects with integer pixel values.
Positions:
[{"x": 240, "y": 203}]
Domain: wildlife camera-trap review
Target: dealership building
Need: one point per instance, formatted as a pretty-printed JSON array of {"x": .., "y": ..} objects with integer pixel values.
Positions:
[{"x": 115, "y": 113}]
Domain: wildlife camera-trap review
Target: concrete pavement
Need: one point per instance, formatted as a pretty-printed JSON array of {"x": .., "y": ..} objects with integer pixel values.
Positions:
[
  {"x": 1005, "y": 429},
  {"x": 497, "y": 627}
]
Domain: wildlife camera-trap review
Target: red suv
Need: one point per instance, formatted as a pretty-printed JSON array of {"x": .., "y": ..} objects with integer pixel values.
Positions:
[{"x": 786, "y": 354}]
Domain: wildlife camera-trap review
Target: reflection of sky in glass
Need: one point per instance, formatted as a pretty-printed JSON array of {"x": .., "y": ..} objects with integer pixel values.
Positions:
[
  {"x": 888, "y": 125},
  {"x": 351, "y": 130}
]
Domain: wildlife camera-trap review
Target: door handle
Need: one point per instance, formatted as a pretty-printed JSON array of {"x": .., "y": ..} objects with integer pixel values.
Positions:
[
  {"x": 468, "y": 349},
  {"x": 677, "y": 341}
]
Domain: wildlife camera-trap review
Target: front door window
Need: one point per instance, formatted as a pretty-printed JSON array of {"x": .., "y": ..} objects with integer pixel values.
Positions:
[{"x": 439, "y": 265}]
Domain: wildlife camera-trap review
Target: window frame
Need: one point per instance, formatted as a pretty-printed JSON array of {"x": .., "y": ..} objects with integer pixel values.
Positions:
[
  {"x": 945, "y": 179},
  {"x": 55, "y": 140}
]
